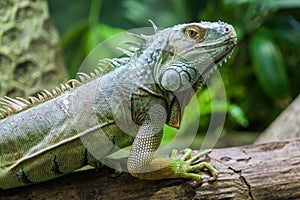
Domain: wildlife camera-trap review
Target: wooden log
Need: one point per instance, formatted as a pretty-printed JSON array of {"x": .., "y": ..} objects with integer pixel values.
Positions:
[
  {"x": 285, "y": 127},
  {"x": 264, "y": 171}
]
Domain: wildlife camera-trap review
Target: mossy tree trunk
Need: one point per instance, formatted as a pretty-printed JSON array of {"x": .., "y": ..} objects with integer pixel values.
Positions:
[{"x": 30, "y": 58}]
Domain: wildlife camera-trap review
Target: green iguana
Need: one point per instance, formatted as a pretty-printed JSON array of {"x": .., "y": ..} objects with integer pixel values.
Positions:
[{"x": 125, "y": 102}]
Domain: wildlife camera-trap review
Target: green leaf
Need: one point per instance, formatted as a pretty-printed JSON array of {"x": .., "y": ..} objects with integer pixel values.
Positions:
[
  {"x": 268, "y": 66},
  {"x": 92, "y": 38},
  {"x": 72, "y": 46},
  {"x": 73, "y": 33},
  {"x": 238, "y": 114},
  {"x": 81, "y": 39},
  {"x": 287, "y": 30},
  {"x": 108, "y": 31}
]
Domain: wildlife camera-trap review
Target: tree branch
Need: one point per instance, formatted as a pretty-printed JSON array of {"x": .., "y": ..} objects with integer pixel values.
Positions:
[
  {"x": 285, "y": 127},
  {"x": 264, "y": 171}
]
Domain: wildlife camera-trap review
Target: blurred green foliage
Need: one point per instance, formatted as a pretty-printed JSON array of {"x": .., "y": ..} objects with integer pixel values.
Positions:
[{"x": 261, "y": 78}]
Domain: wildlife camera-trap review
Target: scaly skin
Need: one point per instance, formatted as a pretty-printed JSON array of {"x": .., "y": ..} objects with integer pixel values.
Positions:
[{"x": 128, "y": 105}]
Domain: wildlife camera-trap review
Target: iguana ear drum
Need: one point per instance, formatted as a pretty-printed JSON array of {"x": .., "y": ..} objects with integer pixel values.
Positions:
[
  {"x": 170, "y": 80},
  {"x": 177, "y": 76}
]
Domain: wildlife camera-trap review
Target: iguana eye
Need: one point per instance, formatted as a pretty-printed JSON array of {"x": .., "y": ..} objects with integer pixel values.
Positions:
[
  {"x": 195, "y": 32},
  {"x": 192, "y": 33}
]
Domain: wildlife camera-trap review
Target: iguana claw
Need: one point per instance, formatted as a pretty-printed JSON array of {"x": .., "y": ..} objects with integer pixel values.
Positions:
[{"x": 184, "y": 168}]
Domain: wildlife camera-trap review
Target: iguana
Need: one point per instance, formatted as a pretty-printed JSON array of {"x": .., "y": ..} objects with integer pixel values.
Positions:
[{"x": 125, "y": 102}]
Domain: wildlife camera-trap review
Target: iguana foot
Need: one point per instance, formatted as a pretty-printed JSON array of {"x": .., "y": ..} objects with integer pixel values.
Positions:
[{"x": 184, "y": 168}]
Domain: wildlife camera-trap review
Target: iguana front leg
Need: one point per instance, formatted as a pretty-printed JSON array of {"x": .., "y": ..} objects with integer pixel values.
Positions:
[{"x": 142, "y": 164}]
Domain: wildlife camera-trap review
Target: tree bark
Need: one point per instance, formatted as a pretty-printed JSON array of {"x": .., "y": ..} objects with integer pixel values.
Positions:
[
  {"x": 30, "y": 58},
  {"x": 285, "y": 127},
  {"x": 264, "y": 171}
]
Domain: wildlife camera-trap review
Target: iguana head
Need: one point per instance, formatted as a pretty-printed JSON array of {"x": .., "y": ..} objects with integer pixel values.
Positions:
[{"x": 190, "y": 52}]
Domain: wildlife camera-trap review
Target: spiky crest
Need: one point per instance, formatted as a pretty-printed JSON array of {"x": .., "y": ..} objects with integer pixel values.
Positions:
[
  {"x": 15, "y": 105},
  {"x": 154, "y": 26}
]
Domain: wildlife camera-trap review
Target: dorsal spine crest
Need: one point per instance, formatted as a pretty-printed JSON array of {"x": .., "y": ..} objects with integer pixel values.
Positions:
[{"x": 15, "y": 105}]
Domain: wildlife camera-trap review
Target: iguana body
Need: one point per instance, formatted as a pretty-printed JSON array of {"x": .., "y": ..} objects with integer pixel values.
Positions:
[{"x": 55, "y": 134}]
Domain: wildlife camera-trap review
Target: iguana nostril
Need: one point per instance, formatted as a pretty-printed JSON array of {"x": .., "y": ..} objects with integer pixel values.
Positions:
[
  {"x": 227, "y": 29},
  {"x": 230, "y": 30}
]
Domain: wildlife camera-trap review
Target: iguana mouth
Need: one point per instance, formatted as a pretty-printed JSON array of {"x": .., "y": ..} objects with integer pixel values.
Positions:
[
  {"x": 219, "y": 61},
  {"x": 213, "y": 66}
]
